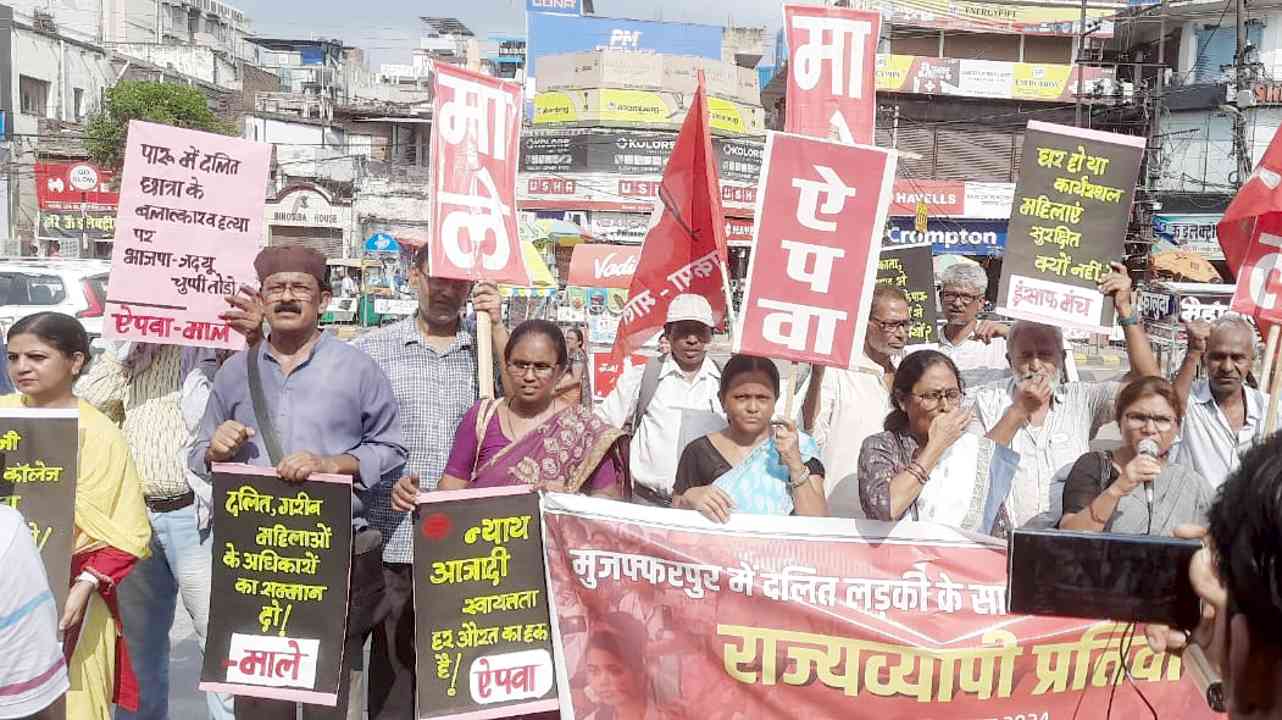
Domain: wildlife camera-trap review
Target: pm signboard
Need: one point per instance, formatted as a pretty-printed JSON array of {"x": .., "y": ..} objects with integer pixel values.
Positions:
[{"x": 553, "y": 33}]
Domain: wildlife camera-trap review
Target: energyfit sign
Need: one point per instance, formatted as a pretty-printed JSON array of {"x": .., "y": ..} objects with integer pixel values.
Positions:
[
  {"x": 950, "y": 236},
  {"x": 554, "y": 33}
]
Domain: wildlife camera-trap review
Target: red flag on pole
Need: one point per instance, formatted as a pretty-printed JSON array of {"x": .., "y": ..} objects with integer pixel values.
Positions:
[
  {"x": 685, "y": 248},
  {"x": 1251, "y": 236}
]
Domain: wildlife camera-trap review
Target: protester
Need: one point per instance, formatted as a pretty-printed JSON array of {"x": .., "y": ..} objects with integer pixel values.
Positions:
[
  {"x": 33, "y": 672},
  {"x": 615, "y": 666},
  {"x": 843, "y": 407},
  {"x": 530, "y": 438},
  {"x": 1105, "y": 491},
  {"x": 755, "y": 465},
  {"x": 977, "y": 347},
  {"x": 1049, "y": 423},
  {"x": 576, "y": 386},
  {"x": 329, "y": 409},
  {"x": 652, "y": 401},
  {"x": 1224, "y": 417},
  {"x": 918, "y": 468},
  {"x": 47, "y": 353},
  {"x": 431, "y": 360},
  {"x": 142, "y": 382}
]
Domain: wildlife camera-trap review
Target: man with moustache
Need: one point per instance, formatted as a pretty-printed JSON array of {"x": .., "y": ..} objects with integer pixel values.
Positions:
[
  {"x": 1223, "y": 417},
  {"x": 1049, "y": 423},
  {"x": 431, "y": 361},
  {"x": 843, "y": 407},
  {"x": 977, "y": 347},
  {"x": 330, "y": 409}
]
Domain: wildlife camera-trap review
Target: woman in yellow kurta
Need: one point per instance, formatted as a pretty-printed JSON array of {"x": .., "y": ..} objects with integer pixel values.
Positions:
[{"x": 47, "y": 352}]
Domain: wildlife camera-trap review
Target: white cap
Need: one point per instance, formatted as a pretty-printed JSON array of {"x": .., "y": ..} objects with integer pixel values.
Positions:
[{"x": 691, "y": 307}]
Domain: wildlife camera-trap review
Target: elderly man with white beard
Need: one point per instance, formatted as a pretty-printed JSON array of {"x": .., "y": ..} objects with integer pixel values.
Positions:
[{"x": 1049, "y": 423}]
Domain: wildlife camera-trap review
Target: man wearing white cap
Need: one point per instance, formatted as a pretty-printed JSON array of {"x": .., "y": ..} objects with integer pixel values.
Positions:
[{"x": 654, "y": 399}]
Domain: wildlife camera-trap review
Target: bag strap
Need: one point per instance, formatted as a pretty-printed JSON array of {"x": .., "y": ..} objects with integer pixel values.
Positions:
[
  {"x": 262, "y": 412},
  {"x": 649, "y": 386}
]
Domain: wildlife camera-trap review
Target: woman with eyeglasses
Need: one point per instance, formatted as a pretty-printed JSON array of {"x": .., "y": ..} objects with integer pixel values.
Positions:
[
  {"x": 926, "y": 466},
  {"x": 1105, "y": 491},
  {"x": 530, "y": 437}
]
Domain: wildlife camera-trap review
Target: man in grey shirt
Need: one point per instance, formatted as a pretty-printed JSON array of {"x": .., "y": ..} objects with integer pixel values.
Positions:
[{"x": 333, "y": 411}]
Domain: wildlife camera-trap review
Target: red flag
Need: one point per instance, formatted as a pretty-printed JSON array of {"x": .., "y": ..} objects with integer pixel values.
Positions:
[
  {"x": 1251, "y": 234},
  {"x": 685, "y": 248}
]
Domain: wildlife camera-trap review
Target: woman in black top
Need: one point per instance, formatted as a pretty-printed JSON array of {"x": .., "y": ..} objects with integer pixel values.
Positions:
[{"x": 756, "y": 464}]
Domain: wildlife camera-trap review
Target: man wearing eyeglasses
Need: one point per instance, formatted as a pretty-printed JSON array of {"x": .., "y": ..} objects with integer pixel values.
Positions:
[
  {"x": 331, "y": 410},
  {"x": 842, "y": 407},
  {"x": 977, "y": 347},
  {"x": 430, "y": 358},
  {"x": 1050, "y": 423}
]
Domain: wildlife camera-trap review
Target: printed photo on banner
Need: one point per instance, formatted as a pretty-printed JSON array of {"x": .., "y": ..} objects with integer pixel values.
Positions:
[
  {"x": 481, "y": 628},
  {"x": 38, "y": 449},
  {"x": 474, "y": 162},
  {"x": 821, "y": 214},
  {"x": 832, "y": 72},
  {"x": 281, "y": 575},
  {"x": 912, "y": 269},
  {"x": 186, "y": 235},
  {"x": 1069, "y": 219},
  {"x": 662, "y": 615}
]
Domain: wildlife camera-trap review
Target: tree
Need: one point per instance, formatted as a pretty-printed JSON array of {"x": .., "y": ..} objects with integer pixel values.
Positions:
[{"x": 178, "y": 105}]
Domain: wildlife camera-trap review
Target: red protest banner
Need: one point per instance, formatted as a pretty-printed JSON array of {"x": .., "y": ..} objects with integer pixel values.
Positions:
[
  {"x": 832, "y": 69},
  {"x": 685, "y": 249},
  {"x": 1259, "y": 278},
  {"x": 606, "y": 371},
  {"x": 603, "y": 266},
  {"x": 781, "y": 617},
  {"x": 474, "y": 164},
  {"x": 819, "y": 221}
]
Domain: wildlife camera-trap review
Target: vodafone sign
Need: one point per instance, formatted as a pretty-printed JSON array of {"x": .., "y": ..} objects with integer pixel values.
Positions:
[{"x": 604, "y": 266}]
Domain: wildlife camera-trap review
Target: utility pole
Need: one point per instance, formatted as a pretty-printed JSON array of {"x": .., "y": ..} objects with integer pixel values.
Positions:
[
  {"x": 1081, "y": 71},
  {"x": 1242, "y": 96}
]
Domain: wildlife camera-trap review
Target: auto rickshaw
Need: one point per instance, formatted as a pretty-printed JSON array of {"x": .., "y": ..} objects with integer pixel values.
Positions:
[{"x": 371, "y": 283}]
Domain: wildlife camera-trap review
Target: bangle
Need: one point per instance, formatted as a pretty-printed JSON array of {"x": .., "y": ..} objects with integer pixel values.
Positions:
[
  {"x": 1090, "y": 508},
  {"x": 797, "y": 484},
  {"x": 918, "y": 472},
  {"x": 1127, "y": 320}
]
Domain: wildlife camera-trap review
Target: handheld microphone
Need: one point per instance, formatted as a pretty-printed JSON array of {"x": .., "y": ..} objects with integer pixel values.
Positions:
[{"x": 1148, "y": 446}]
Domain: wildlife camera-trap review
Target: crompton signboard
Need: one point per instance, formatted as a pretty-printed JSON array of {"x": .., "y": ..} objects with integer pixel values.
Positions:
[
  {"x": 956, "y": 237},
  {"x": 553, "y": 34}
]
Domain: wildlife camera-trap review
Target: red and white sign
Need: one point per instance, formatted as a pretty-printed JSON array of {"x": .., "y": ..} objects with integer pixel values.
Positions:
[
  {"x": 474, "y": 164},
  {"x": 738, "y": 232},
  {"x": 271, "y": 661},
  {"x": 603, "y": 266},
  {"x": 819, "y": 220},
  {"x": 832, "y": 72},
  {"x": 68, "y": 185},
  {"x": 522, "y": 675},
  {"x": 606, "y": 371},
  {"x": 607, "y": 192},
  {"x": 1259, "y": 280}
]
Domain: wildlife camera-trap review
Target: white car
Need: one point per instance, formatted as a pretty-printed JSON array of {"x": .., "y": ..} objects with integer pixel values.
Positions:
[{"x": 77, "y": 287}]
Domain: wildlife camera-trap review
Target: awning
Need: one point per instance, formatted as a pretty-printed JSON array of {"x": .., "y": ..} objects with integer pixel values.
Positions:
[{"x": 540, "y": 276}]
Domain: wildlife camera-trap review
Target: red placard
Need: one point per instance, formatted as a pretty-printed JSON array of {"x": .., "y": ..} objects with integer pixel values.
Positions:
[
  {"x": 1259, "y": 279},
  {"x": 606, "y": 371},
  {"x": 68, "y": 185},
  {"x": 474, "y": 164},
  {"x": 832, "y": 68},
  {"x": 819, "y": 226},
  {"x": 604, "y": 266}
]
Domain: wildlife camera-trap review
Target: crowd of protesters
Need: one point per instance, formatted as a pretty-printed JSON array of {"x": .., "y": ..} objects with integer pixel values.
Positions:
[{"x": 981, "y": 432}]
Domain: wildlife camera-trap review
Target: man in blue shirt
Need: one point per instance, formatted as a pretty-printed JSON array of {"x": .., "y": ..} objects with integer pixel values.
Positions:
[{"x": 332, "y": 410}]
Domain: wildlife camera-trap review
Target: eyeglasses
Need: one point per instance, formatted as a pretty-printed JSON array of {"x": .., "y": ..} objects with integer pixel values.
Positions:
[
  {"x": 892, "y": 326},
  {"x": 1163, "y": 423},
  {"x": 949, "y": 297},
  {"x": 519, "y": 368},
  {"x": 934, "y": 397},
  {"x": 298, "y": 290}
]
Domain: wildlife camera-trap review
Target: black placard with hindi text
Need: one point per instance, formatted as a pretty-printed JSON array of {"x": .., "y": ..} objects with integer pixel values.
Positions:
[
  {"x": 482, "y": 630},
  {"x": 282, "y": 562},
  {"x": 39, "y": 450},
  {"x": 912, "y": 269}
]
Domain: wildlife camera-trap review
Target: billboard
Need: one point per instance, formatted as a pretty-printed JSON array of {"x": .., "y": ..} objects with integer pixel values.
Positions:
[
  {"x": 554, "y": 33},
  {"x": 1045, "y": 82},
  {"x": 987, "y": 17},
  {"x": 627, "y": 152},
  {"x": 561, "y": 7}
]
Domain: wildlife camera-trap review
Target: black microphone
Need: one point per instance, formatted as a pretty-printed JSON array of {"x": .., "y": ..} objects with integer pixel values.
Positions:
[{"x": 1148, "y": 446}]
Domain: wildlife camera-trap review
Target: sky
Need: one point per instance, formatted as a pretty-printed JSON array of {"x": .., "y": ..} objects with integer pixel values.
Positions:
[{"x": 389, "y": 29}]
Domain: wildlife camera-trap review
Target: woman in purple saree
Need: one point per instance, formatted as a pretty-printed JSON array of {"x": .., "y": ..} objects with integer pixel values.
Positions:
[{"x": 531, "y": 437}]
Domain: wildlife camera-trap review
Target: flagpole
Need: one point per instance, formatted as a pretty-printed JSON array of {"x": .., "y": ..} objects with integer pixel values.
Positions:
[
  {"x": 1271, "y": 420},
  {"x": 1267, "y": 377},
  {"x": 731, "y": 321}
]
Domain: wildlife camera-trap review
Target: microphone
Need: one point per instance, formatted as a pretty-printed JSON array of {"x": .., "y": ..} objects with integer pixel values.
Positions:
[{"x": 1148, "y": 446}]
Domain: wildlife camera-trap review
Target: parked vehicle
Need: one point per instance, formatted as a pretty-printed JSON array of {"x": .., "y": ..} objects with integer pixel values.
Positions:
[{"x": 77, "y": 287}]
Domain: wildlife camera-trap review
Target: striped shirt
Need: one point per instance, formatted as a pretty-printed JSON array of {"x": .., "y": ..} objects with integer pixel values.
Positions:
[
  {"x": 434, "y": 391},
  {"x": 33, "y": 673}
]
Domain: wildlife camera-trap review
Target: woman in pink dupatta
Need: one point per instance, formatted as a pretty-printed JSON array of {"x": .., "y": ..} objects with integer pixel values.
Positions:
[{"x": 531, "y": 437}]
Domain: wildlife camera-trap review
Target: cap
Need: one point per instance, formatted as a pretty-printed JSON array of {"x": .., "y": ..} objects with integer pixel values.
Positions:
[{"x": 691, "y": 307}]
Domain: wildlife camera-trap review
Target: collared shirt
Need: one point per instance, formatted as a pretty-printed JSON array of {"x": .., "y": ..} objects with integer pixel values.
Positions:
[
  {"x": 654, "y": 451},
  {"x": 980, "y": 363},
  {"x": 146, "y": 405},
  {"x": 853, "y": 405},
  {"x": 1207, "y": 444},
  {"x": 434, "y": 391},
  {"x": 1077, "y": 412},
  {"x": 337, "y": 401}
]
